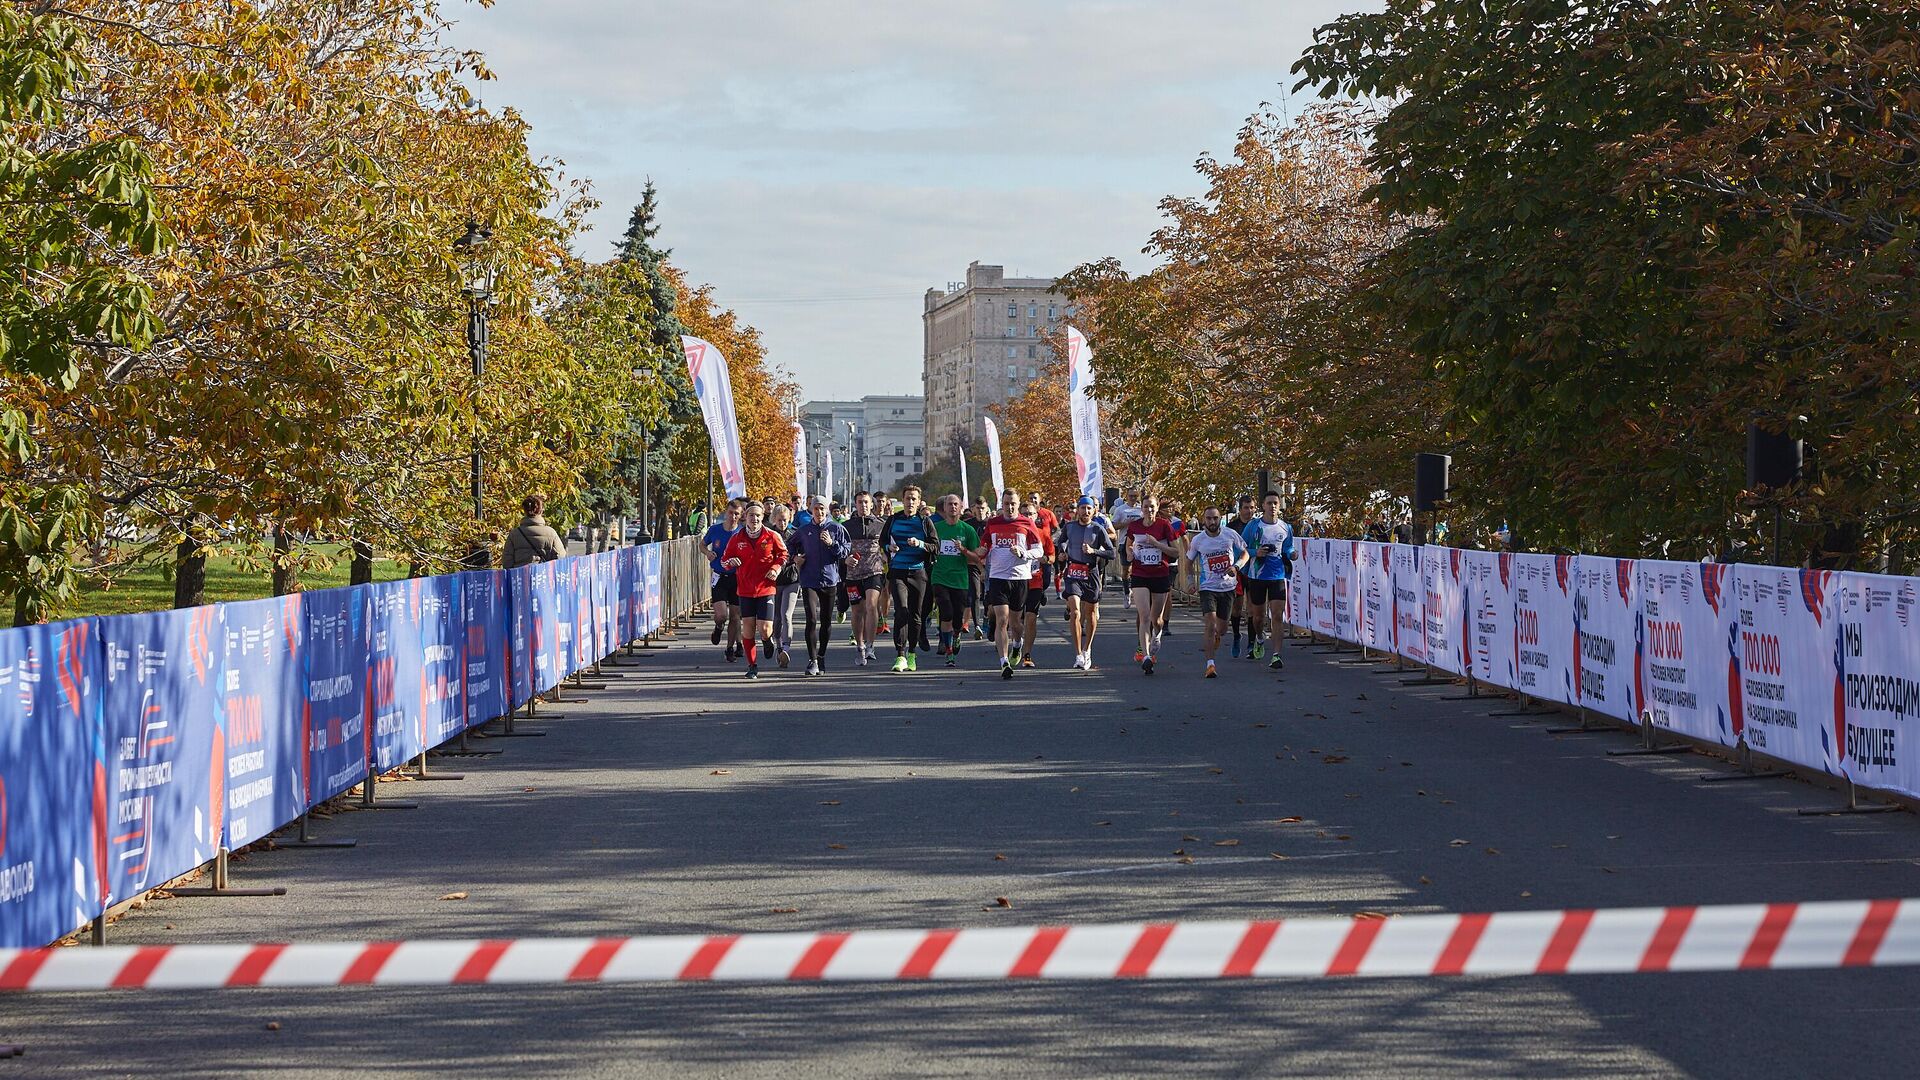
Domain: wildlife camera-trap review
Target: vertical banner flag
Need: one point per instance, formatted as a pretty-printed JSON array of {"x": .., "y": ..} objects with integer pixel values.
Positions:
[
  {"x": 1084, "y": 413},
  {"x": 826, "y": 471},
  {"x": 707, "y": 369},
  {"x": 993, "y": 459},
  {"x": 800, "y": 464},
  {"x": 965, "y": 499}
]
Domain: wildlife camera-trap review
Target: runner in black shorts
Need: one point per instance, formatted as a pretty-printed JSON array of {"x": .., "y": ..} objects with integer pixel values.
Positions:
[
  {"x": 866, "y": 574},
  {"x": 1013, "y": 545},
  {"x": 1029, "y": 621},
  {"x": 1086, "y": 545}
]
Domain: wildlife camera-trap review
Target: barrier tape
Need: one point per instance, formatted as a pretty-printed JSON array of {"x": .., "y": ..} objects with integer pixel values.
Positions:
[{"x": 1742, "y": 937}]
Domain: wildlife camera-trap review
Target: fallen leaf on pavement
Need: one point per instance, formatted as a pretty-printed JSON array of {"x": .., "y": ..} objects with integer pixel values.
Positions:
[
  {"x": 1526, "y": 892},
  {"x": 1458, "y": 843},
  {"x": 837, "y": 847},
  {"x": 1333, "y": 759},
  {"x": 1259, "y": 725},
  {"x": 1288, "y": 820},
  {"x": 1493, "y": 851},
  {"x": 1103, "y": 823},
  {"x": 1425, "y": 880},
  {"x": 1186, "y": 860},
  {"x": 831, "y": 802},
  {"x": 783, "y": 911},
  {"x": 1226, "y": 843},
  {"x": 1179, "y": 851},
  {"x": 1216, "y": 772},
  {"x": 273, "y": 1025},
  {"x": 1072, "y": 790},
  {"x": 1276, "y": 855},
  {"x": 999, "y": 858},
  {"x": 1190, "y": 839},
  {"x": 455, "y": 896},
  {"x": 1369, "y": 914},
  {"x": 1002, "y": 901},
  {"x": 1343, "y": 836},
  {"x": 721, "y": 772},
  {"x": 526, "y": 789}
]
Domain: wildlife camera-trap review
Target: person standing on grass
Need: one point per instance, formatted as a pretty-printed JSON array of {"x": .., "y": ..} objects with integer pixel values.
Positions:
[{"x": 533, "y": 540}]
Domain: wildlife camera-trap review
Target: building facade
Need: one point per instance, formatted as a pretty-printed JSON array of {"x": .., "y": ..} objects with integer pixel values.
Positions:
[
  {"x": 877, "y": 441},
  {"x": 983, "y": 344}
]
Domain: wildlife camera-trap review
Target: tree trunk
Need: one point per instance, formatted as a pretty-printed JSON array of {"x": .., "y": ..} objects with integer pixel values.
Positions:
[
  {"x": 286, "y": 578},
  {"x": 360, "y": 571},
  {"x": 190, "y": 574}
]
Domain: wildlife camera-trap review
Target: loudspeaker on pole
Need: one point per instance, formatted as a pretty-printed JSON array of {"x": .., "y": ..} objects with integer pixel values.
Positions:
[
  {"x": 1773, "y": 461},
  {"x": 1430, "y": 480}
]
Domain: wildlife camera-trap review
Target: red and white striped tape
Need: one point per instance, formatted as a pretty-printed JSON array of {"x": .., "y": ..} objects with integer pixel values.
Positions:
[{"x": 1736, "y": 937}]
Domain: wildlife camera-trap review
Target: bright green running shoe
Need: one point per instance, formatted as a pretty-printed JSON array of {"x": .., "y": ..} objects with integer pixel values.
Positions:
[
  {"x": 913, "y": 662},
  {"x": 900, "y": 663},
  {"x": 1258, "y": 650}
]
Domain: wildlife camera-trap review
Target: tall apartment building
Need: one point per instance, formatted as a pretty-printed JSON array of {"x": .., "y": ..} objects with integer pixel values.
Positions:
[
  {"x": 877, "y": 441},
  {"x": 982, "y": 347}
]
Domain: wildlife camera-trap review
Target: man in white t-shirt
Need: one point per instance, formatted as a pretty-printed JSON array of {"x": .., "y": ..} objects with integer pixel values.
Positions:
[
  {"x": 1218, "y": 554},
  {"x": 1126, "y": 510}
]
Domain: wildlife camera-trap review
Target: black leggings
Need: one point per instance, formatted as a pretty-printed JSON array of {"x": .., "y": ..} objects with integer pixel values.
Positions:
[
  {"x": 819, "y": 609},
  {"x": 909, "y": 590}
]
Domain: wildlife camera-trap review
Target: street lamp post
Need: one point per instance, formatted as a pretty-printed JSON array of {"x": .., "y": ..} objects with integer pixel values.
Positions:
[
  {"x": 850, "y": 488},
  {"x": 477, "y": 280}
]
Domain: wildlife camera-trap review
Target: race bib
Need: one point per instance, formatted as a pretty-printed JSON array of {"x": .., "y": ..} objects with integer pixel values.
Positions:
[
  {"x": 949, "y": 547},
  {"x": 1144, "y": 554},
  {"x": 1079, "y": 571},
  {"x": 1219, "y": 565}
]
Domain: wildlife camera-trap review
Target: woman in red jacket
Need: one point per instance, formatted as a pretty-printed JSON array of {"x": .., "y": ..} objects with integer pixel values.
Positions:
[{"x": 755, "y": 555}]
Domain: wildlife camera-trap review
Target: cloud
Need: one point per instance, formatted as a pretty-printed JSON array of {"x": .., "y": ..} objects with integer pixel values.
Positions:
[{"x": 813, "y": 155}]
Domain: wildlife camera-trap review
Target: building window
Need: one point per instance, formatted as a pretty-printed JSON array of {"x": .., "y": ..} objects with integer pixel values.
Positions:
[
  {"x": 917, "y": 453},
  {"x": 1033, "y": 372},
  {"x": 1033, "y": 352},
  {"x": 1013, "y": 370},
  {"x": 1011, "y": 349},
  {"x": 1011, "y": 331},
  {"x": 899, "y": 466},
  {"x": 1013, "y": 310},
  {"x": 1033, "y": 311},
  {"x": 1050, "y": 314}
]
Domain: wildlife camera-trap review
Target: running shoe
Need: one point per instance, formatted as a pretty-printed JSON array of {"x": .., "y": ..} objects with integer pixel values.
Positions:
[
  {"x": 1014, "y": 654},
  {"x": 784, "y": 658},
  {"x": 716, "y": 635},
  {"x": 899, "y": 663},
  {"x": 1211, "y": 674},
  {"x": 1026, "y": 661},
  {"x": 1277, "y": 663},
  {"x": 913, "y": 662},
  {"x": 813, "y": 668},
  {"x": 732, "y": 654},
  {"x": 1147, "y": 665},
  {"x": 1006, "y": 670},
  {"x": 977, "y": 635},
  {"x": 882, "y": 630},
  {"x": 1236, "y": 648},
  {"x": 1257, "y": 650},
  {"x": 753, "y": 671},
  {"x": 860, "y": 658},
  {"x": 953, "y": 658},
  {"x": 1138, "y": 656}
]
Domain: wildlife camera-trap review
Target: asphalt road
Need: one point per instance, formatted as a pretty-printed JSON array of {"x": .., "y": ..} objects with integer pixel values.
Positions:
[{"x": 683, "y": 798}]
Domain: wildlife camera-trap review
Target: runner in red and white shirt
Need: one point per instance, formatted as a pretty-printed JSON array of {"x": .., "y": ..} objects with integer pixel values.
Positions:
[
  {"x": 755, "y": 555},
  {"x": 1013, "y": 545},
  {"x": 1150, "y": 543}
]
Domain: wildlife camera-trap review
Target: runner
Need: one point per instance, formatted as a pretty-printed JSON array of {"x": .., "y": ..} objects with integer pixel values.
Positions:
[
  {"x": 1270, "y": 541},
  {"x": 755, "y": 555},
  {"x": 726, "y": 610},
  {"x": 786, "y": 590},
  {"x": 910, "y": 544},
  {"x": 817, "y": 548},
  {"x": 1013, "y": 543},
  {"x": 865, "y": 575},
  {"x": 1218, "y": 554},
  {"x": 1086, "y": 543},
  {"x": 1170, "y": 513},
  {"x": 959, "y": 551},
  {"x": 976, "y": 516},
  {"x": 882, "y": 509},
  {"x": 1150, "y": 541},
  {"x": 1029, "y": 617},
  {"x": 1126, "y": 510},
  {"x": 1242, "y": 517}
]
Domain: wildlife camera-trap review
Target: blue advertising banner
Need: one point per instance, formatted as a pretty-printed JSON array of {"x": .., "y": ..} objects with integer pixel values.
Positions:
[
  {"x": 626, "y": 620},
  {"x": 414, "y": 645},
  {"x": 486, "y": 659},
  {"x": 333, "y": 666},
  {"x": 166, "y": 762},
  {"x": 566, "y": 605},
  {"x": 545, "y": 634},
  {"x": 261, "y": 690},
  {"x": 520, "y": 627},
  {"x": 606, "y": 604},
  {"x": 653, "y": 618},
  {"x": 52, "y": 782}
]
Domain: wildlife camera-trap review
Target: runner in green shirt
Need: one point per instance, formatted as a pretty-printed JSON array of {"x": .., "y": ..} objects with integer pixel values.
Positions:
[{"x": 959, "y": 548}]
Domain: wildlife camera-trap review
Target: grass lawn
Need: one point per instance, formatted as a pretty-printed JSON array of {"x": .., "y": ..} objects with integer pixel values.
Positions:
[{"x": 149, "y": 587}]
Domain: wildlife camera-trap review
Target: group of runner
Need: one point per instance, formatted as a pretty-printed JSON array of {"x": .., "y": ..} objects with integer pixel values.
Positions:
[{"x": 977, "y": 573}]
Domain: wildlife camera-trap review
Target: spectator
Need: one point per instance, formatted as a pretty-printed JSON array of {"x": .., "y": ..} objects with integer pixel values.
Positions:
[{"x": 533, "y": 540}]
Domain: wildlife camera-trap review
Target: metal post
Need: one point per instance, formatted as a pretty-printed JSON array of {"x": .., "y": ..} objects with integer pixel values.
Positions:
[
  {"x": 477, "y": 347},
  {"x": 306, "y": 841}
]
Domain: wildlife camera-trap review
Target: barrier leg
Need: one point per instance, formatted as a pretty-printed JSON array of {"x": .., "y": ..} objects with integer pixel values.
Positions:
[
  {"x": 221, "y": 887},
  {"x": 1426, "y": 679},
  {"x": 421, "y": 764},
  {"x": 1854, "y": 806},
  {"x": 97, "y": 931},
  {"x": 1583, "y": 729},
  {"x": 1744, "y": 758},
  {"x": 463, "y": 750},
  {"x": 580, "y": 684},
  {"x": 1472, "y": 694},
  {"x": 1648, "y": 744},
  {"x": 1526, "y": 709},
  {"x": 508, "y": 731},
  {"x": 306, "y": 841},
  {"x": 366, "y": 796}
]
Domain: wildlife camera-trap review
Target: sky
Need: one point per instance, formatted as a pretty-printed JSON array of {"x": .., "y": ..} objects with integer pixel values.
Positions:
[{"x": 823, "y": 164}]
